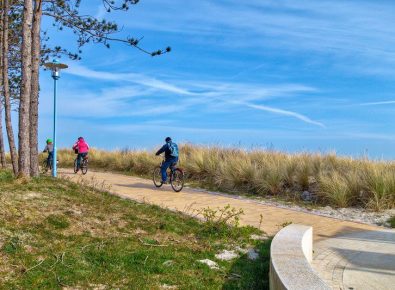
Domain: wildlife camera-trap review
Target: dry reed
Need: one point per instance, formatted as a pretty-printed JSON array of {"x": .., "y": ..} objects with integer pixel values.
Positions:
[{"x": 337, "y": 181}]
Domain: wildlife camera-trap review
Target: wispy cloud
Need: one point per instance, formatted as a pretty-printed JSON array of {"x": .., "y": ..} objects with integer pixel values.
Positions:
[
  {"x": 347, "y": 31},
  {"x": 194, "y": 93},
  {"x": 81, "y": 71},
  {"x": 199, "y": 132},
  {"x": 377, "y": 103}
]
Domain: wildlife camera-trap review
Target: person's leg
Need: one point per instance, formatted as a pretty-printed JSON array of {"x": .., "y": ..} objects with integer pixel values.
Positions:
[
  {"x": 83, "y": 155},
  {"x": 79, "y": 158},
  {"x": 163, "y": 168},
  {"x": 173, "y": 163},
  {"x": 50, "y": 159}
]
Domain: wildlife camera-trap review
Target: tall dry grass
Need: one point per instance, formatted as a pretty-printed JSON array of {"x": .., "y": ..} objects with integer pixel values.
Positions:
[{"x": 337, "y": 181}]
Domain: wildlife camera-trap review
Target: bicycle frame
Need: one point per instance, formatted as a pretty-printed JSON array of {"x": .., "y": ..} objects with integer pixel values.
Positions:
[
  {"x": 83, "y": 164},
  {"x": 172, "y": 176}
]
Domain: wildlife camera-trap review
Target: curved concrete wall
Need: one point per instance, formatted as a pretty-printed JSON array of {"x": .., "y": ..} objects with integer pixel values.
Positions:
[{"x": 291, "y": 253}]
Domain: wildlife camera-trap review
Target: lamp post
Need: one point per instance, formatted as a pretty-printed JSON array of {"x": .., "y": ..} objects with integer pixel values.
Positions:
[{"x": 55, "y": 66}]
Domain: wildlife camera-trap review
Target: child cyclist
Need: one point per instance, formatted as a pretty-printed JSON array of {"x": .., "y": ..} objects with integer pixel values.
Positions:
[
  {"x": 49, "y": 148},
  {"x": 81, "y": 148}
]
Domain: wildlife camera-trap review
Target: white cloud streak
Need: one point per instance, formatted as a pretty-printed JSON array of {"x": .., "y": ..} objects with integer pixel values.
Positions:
[
  {"x": 284, "y": 113},
  {"x": 194, "y": 94},
  {"x": 377, "y": 103},
  {"x": 140, "y": 79}
]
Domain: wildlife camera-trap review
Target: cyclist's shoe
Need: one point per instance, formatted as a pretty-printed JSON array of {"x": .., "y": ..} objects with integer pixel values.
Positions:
[{"x": 164, "y": 182}]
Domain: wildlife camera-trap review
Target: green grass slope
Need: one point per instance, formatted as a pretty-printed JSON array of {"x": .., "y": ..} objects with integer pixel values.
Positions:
[{"x": 55, "y": 234}]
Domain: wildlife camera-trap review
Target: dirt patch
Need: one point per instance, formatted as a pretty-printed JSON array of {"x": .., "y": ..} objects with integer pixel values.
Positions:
[
  {"x": 139, "y": 231},
  {"x": 31, "y": 195}
]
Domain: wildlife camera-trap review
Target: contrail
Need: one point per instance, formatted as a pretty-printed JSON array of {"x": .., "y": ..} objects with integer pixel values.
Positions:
[{"x": 283, "y": 112}]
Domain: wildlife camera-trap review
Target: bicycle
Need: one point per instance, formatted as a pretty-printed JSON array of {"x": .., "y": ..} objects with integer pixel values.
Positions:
[
  {"x": 46, "y": 166},
  {"x": 176, "y": 177},
  {"x": 83, "y": 165}
]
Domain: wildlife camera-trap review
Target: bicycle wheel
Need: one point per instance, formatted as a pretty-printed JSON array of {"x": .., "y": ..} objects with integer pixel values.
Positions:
[
  {"x": 44, "y": 167},
  {"x": 84, "y": 166},
  {"x": 157, "y": 177},
  {"x": 75, "y": 166},
  {"x": 177, "y": 180}
]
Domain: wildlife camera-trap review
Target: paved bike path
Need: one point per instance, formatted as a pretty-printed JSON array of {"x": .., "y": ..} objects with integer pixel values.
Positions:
[
  {"x": 143, "y": 190},
  {"x": 347, "y": 255}
]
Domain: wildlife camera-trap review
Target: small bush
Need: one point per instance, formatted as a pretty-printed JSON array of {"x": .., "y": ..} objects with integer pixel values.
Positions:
[{"x": 223, "y": 222}]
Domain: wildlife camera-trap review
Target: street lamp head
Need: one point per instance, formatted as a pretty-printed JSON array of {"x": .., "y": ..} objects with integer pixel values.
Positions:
[{"x": 55, "y": 66}]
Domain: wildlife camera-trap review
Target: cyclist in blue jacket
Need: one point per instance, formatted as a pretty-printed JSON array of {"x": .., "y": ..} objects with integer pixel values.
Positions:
[{"x": 171, "y": 157}]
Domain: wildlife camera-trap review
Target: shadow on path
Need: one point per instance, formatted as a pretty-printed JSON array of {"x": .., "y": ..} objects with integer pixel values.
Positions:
[
  {"x": 365, "y": 250},
  {"x": 141, "y": 185},
  {"x": 385, "y": 236}
]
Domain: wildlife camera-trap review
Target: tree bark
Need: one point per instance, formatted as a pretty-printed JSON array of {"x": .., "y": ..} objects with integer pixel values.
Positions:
[
  {"x": 36, "y": 46},
  {"x": 2, "y": 149},
  {"x": 24, "y": 102},
  {"x": 3, "y": 162},
  {"x": 6, "y": 89}
]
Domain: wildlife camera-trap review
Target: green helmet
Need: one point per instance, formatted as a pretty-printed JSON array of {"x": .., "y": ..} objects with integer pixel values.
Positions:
[{"x": 49, "y": 140}]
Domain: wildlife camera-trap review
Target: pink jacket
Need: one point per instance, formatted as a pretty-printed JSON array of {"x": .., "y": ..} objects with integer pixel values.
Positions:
[{"x": 82, "y": 146}]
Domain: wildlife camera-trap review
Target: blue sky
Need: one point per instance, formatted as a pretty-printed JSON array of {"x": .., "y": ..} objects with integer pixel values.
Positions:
[{"x": 289, "y": 75}]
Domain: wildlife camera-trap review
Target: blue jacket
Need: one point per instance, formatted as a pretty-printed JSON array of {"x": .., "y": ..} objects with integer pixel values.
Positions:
[{"x": 165, "y": 148}]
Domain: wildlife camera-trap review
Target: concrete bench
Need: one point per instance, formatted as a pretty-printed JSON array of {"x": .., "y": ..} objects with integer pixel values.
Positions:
[{"x": 291, "y": 254}]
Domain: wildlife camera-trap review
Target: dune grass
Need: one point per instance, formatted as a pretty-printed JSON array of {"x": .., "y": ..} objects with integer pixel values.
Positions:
[
  {"x": 55, "y": 234},
  {"x": 391, "y": 221},
  {"x": 337, "y": 181}
]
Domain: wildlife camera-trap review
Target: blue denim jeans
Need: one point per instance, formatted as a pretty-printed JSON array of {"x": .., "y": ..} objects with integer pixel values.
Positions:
[
  {"x": 50, "y": 159},
  {"x": 80, "y": 157},
  {"x": 165, "y": 165}
]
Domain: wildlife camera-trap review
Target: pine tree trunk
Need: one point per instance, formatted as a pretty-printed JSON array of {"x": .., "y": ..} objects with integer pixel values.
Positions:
[
  {"x": 36, "y": 46},
  {"x": 3, "y": 162},
  {"x": 24, "y": 102},
  {"x": 6, "y": 90},
  {"x": 2, "y": 149}
]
